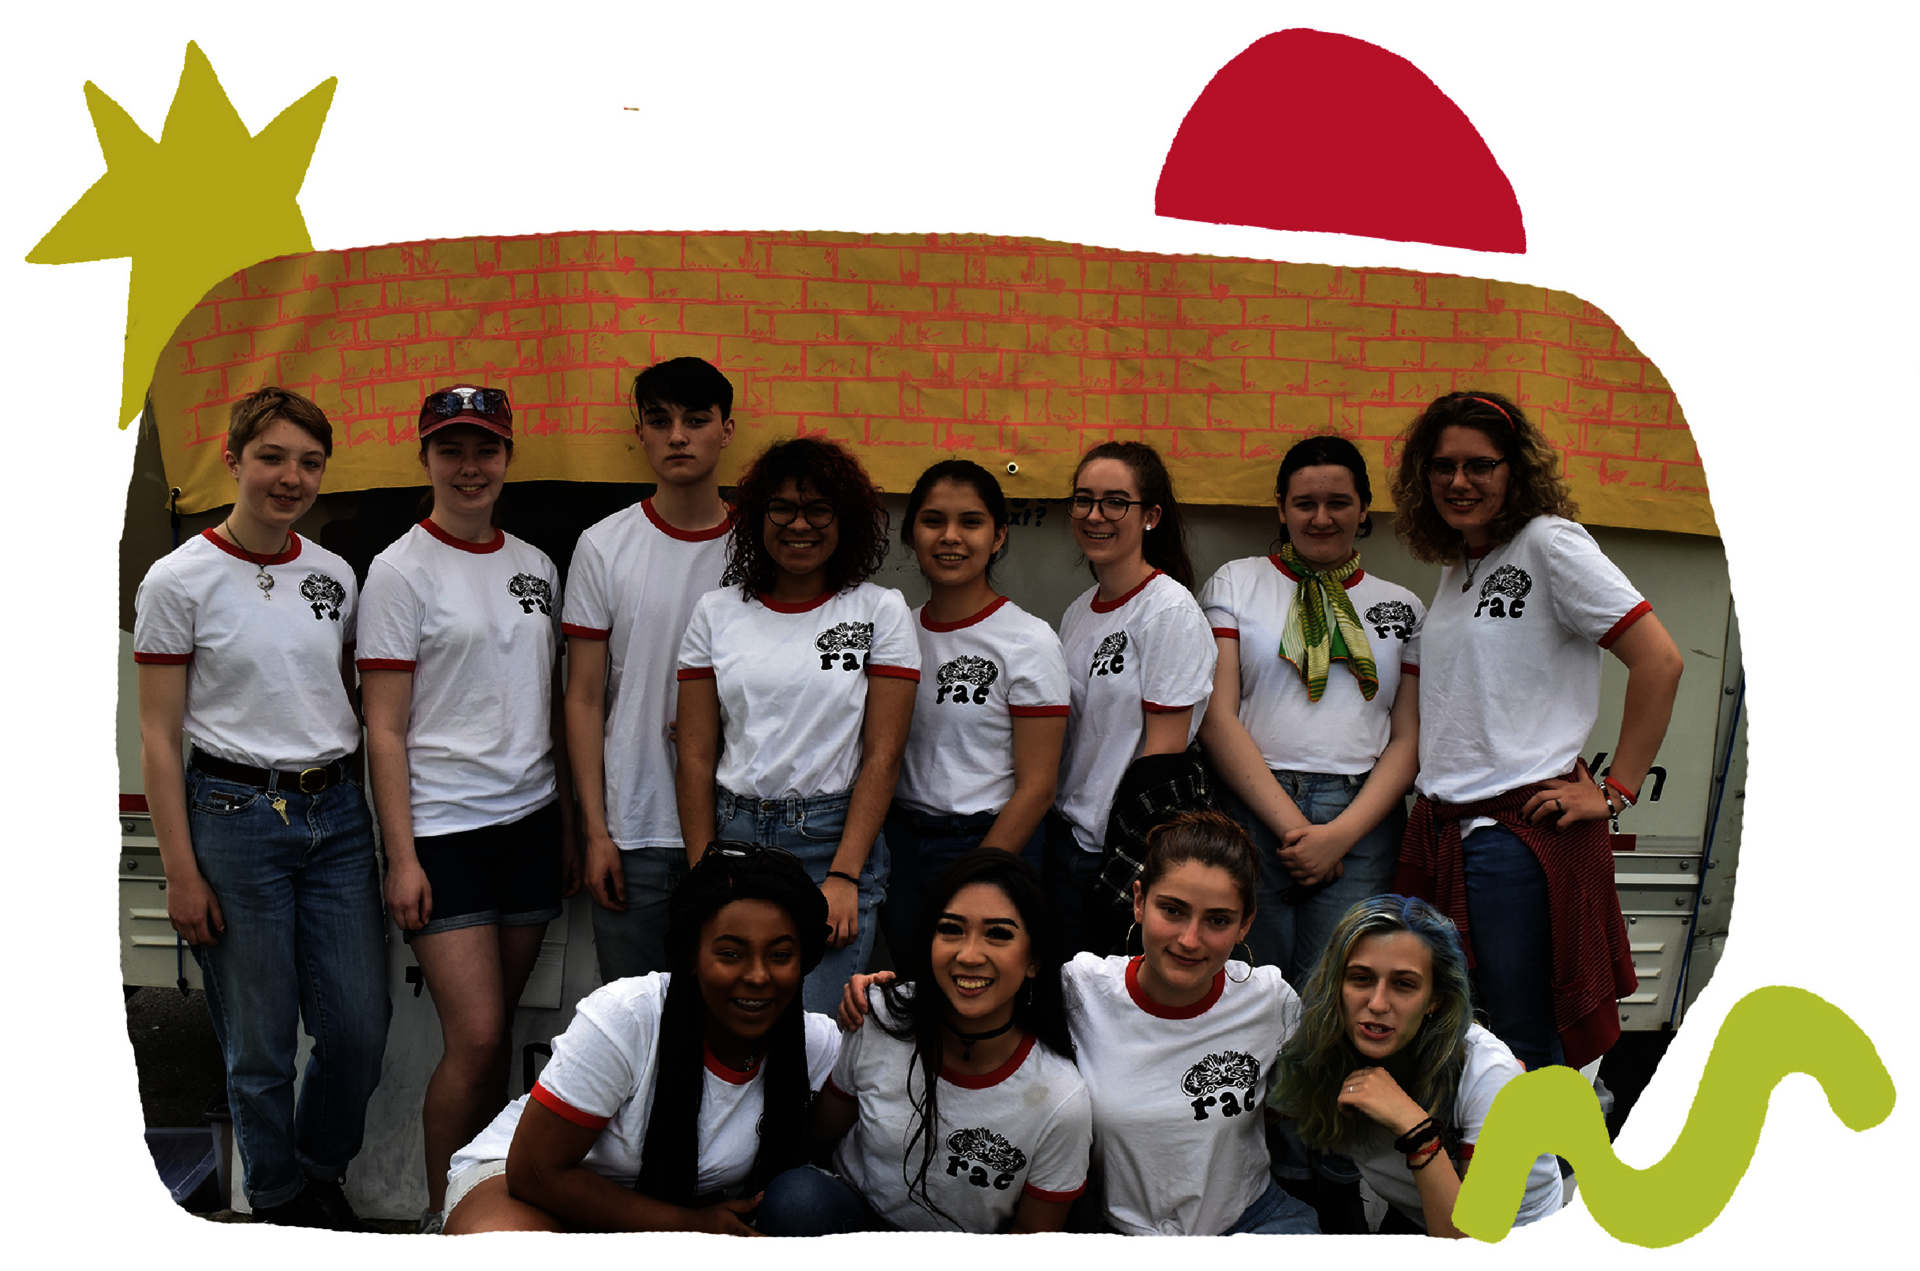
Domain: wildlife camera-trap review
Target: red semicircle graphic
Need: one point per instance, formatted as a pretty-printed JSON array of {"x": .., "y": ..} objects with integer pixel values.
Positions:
[{"x": 1307, "y": 130}]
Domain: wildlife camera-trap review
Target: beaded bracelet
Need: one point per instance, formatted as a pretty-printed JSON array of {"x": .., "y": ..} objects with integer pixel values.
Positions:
[
  {"x": 1421, "y": 1134},
  {"x": 1607, "y": 783}
]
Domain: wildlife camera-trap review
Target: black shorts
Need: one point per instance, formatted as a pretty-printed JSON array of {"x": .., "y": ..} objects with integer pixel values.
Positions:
[{"x": 505, "y": 875}]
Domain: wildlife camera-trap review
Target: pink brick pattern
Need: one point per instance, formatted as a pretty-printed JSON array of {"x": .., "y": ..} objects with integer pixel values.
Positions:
[{"x": 917, "y": 347}]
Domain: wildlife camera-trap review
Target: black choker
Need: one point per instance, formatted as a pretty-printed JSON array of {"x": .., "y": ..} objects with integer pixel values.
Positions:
[{"x": 968, "y": 1039}]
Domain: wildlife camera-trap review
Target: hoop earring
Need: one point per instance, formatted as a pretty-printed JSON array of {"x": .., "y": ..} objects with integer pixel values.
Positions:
[
  {"x": 1126, "y": 941},
  {"x": 1249, "y": 975}
]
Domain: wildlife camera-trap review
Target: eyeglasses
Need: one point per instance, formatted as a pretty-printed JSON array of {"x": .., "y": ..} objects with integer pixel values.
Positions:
[
  {"x": 819, "y": 515},
  {"x": 740, "y": 849},
  {"x": 1113, "y": 507},
  {"x": 489, "y": 404},
  {"x": 1479, "y": 471}
]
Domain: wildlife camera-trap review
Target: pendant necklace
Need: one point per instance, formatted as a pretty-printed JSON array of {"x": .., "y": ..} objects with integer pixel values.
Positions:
[
  {"x": 262, "y": 579},
  {"x": 968, "y": 1039}
]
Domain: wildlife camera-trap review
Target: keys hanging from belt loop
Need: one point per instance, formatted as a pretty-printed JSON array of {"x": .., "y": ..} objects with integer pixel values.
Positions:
[{"x": 279, "y": 804}]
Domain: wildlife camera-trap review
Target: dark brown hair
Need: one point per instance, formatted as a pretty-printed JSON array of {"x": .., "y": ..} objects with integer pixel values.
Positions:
[
  {"x": 1164, "y": 546},
  {"x": 1208, "y": 838},
  {"x": 1534, "y": 484},
  {"x": 825, "y": 469},
  {"x": 246, "y": 417}
]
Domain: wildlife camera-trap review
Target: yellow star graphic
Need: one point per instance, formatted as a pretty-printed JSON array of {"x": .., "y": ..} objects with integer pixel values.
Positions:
[{"x": 199, "y": 205}]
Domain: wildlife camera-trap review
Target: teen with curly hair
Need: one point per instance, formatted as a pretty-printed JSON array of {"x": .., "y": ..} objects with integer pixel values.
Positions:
[
  {"x": 672, "y": 1098},
  {"x": 1509, "y": 837},
  {"x": 797, "y": 681},
  {"x": 1389, "y": 1069}
]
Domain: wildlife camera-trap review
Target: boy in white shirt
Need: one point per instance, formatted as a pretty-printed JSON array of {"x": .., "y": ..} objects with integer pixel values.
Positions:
[{"x": 633, "y": 582}]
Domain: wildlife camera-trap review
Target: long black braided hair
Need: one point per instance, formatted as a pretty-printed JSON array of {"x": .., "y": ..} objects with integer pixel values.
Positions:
[{"x": 669, "y": 1159}]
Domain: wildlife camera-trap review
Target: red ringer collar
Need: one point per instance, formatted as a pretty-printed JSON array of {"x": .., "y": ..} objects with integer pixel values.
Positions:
[
  {"x": 1103, "y": 606},
  {"x": 982, "y": 616},
  {"x": 293, "y": 549},
  {"x": 478, "y": 549},
  {"x": 1151, "y": 1007},
  {"x": 980, "y": 1081},
  {"x": 731, "y": 1076},
  {"x": 687, "y": 536},
  {"x": 1281, "y": 565},
  {"x": 804, "y": 606}
]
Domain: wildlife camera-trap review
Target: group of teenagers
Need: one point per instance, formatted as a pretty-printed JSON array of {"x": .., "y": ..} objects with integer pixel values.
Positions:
[{"x": 1164, "y": 931}]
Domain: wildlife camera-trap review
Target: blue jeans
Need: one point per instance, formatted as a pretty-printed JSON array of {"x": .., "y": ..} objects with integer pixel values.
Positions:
[
  {"x": 811, "y": 1202},
  {"x": 304, "y": 943},
  {"x": 920, "y": 846},
  {"x": 1276, "y": 1213},
  {"x": 1068, "y": 870},
  {"x": 635, "y": 942},
  {"x": 810, "y": 828},
  {"x": 1511, "y": 927},
  {"x": 1292, "y": 937}
]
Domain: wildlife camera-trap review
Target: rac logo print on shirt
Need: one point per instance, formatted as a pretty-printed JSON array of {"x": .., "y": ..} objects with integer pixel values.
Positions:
[
  {"x": 1228, "y": 1080},
  {"x": 1110, "y": 658},
  {"x": 976, "y": 1154},
  {"x": 843, "y": 645},
  {"x": 1391, "y": 618},
  {"x": 531, "y": 592},
  {"x": 1504, "y": 594},
  {"x": 324, "y": 595},
  {"x": 965, "y": 679}
]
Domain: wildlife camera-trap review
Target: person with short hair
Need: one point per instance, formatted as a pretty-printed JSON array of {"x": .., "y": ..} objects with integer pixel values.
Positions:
[
  {"x": 1509, "y": 837},
  {"x": 672, "y": 1098},
  {"x": 1388, "y": 1068},
  {"x": 242, "y": 638},
  {"x": 796, "y": 689},
  {"x": 459, "y": 663},
  {"x": 631, "y": 587}
]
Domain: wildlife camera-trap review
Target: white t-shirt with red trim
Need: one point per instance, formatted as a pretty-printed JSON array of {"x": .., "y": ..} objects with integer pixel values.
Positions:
[
  {"x": 1023, "y": 1128},
  {"x": 479, "y": 627},
  {"x": 1489, "y": 1066},
  {"x": 1509, "y": 660},
  {"x": 1247, "y": 600},
  {"x": 793, "y": 682},
  {"x": 1179, "y": 1131},
  {"x": 980, "y": 674},
  {"x": 602, "y": 1074},
  {"x": 633, "y": 583},
  {"x": 1150, "y": 650},
  {"x": 264, "y": 683}
]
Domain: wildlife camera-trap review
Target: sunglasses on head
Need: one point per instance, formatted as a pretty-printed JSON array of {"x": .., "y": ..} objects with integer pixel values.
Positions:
[{"x": 464, "y": 399}]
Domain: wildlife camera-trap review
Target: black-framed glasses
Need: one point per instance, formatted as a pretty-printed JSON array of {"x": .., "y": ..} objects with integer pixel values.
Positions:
[
  {"x": 1113, "y": 506},
  {"x": 1479, "y": 471},
  {"x": 819, "y": 514},
  {"x": 741, "y": 849}
]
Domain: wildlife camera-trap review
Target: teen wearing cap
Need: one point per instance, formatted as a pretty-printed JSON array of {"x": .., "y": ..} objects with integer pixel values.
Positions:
[
  {"x": 1509, "y": 838},
  {"x": 240, "y": 636},
  {"x": 796, "y": 690},
  {"x": 459, "y": 637},
  {"x": 632, "y": 585}
]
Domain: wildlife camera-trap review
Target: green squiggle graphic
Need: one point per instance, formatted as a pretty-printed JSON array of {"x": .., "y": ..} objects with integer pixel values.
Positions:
[{"x": 1769, "y": 1033}]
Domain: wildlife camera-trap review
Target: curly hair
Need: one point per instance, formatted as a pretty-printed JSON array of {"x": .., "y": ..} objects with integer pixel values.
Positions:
[
  {"x": 1319, "y": 1055},
  {"x": 1165, "y": 546},
  {"x": 961, "y": 472},
  {"x": 824, "y": 470},
  {"x": 916, "y": 1017},
  {"x": 1534, "y": 484},
  {"x": 1326, "y": 450},
  {"x": 669, "y": 1156}
]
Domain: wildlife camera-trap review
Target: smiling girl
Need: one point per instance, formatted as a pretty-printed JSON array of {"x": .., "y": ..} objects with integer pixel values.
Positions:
[
  {"x": 1509, "y": 837},
  {"x": 459, "y": 641},
  {"x": 672, "y": 1098},
  {"x": 983, "y": 754},
  {"x": 240, "y": 636},
  {"x": 1139, "y": 657},
  {"x": 960, "y": 1105},
  {"x": 796, "y": 688},
  {"x": 1389, "y": 1068}
]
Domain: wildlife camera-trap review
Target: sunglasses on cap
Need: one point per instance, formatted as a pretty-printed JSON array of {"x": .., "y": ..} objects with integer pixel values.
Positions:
[{"x": 465, "y": 403}]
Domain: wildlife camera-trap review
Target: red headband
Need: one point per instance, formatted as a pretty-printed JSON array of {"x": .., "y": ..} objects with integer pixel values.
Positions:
[{"x": 1497, "y": 406}]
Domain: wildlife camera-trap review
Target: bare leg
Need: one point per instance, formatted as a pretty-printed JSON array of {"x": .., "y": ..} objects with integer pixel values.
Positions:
[{"x": 488, "y": 1207}]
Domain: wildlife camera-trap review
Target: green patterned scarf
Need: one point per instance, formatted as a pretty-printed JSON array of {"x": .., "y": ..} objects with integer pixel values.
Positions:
[{"x": 1322, "y": 627}]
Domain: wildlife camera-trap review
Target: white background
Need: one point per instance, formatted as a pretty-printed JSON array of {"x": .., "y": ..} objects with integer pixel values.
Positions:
[{"x": 1730, "y": 184}]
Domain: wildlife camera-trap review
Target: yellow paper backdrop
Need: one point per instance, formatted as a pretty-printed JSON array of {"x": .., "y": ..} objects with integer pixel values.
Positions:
[{"x": 915, "y": 348}]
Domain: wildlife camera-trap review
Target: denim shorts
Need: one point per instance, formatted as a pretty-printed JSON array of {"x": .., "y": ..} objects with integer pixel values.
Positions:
[{"x": 504, "y": 875}]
